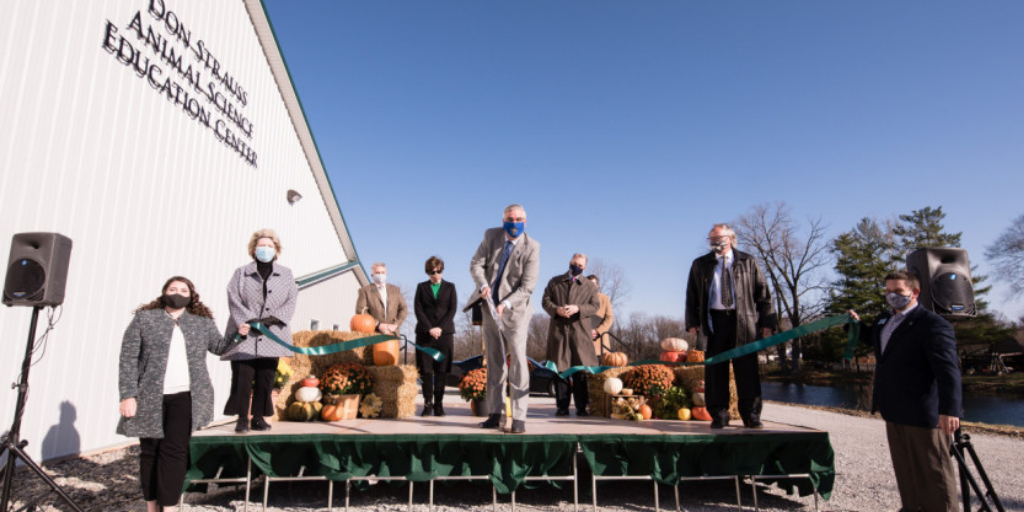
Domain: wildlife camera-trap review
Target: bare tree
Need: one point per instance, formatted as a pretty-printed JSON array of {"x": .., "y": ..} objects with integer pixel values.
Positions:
[
  {"x": 791, "y": 263},
  {"x": 1007, "y": 256},
  {"x": 537, "y": 336},
  {"x": 614, "y": 282}
]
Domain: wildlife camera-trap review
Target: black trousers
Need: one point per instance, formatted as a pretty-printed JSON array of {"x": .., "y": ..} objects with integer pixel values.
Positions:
[
  {"x": 255, "y": 378},
  {"x": 716, "y": 376},
  {"x": 578, "y": 384},
  {"x": 163, "y": 462},
  {"x": 434, "y": 374}
]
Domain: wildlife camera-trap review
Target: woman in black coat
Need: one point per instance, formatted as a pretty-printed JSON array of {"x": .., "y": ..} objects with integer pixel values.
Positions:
[{"x": 435, "y": 305}]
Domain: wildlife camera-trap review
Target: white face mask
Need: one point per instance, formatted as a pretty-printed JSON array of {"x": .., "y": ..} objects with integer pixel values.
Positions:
[{"x": 380, "y": 278}]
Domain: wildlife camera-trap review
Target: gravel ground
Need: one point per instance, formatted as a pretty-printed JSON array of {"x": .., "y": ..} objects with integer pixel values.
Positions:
[{"x": 864, "y": 482}]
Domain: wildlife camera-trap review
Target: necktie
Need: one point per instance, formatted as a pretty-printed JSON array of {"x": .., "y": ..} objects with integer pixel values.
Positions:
[
  {"x": 501, "y": 270},
  {"x": 726, "y": 285}
]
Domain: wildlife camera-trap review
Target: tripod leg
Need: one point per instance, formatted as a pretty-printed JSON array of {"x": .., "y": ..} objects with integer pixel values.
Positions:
[
  {"x": 964, "y": 472},
  {"x": 15, "y": 451},
  {"x": 991, "y": 491}
]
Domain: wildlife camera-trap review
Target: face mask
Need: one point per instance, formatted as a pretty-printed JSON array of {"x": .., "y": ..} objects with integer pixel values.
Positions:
[
  {"x": 265, "y": 254},
  {"x": 175, "y": 301},
  {"x": 719, "y": 247},
  {"x": 380, "y": 278},
  {"x": 514, "y": 229},
  {"x": 575, "y": 270},
  {"x": 898, "y": 301}
]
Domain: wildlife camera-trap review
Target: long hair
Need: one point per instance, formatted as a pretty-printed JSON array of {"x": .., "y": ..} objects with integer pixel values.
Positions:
[{"x": 196, "y": 307}]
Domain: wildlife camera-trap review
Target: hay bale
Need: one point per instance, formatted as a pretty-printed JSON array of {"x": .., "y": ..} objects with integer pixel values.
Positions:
[
  {"x": 397, "y": 388},
  {"x": 689, "y": 377},
  {"x": 597, "y": 394},
  {"x": 303, "y": 365}
]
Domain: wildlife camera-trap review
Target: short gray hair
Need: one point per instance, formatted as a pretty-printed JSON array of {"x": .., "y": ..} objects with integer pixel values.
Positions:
[
  {"x": 377, "y": 264},
  {"x": 513, "y": 207},
  {"x": 728, "y": 231},
  {"x": 580, "y": 255}
]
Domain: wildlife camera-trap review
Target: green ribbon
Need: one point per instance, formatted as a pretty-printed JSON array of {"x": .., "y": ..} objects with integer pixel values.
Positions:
[
  {"x": 342, "y": 345},
  {"x": 777, "y": 339}
]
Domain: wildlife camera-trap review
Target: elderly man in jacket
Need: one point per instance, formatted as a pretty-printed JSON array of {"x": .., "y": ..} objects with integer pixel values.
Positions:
[
  {"x": 382, "y": 301},
  {"x": 571, "y": 300},
  {"x": 728, "y": 301},
  {"x": 505, "y": 268},
  {"x": 602, "y": 319}
]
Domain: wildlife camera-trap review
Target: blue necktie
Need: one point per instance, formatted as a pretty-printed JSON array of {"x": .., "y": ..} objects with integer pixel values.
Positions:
[{"x": 501, "y": 270}]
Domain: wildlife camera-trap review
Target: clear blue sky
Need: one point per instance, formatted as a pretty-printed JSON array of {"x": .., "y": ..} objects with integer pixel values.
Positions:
[{"x": 627, "y": 128}]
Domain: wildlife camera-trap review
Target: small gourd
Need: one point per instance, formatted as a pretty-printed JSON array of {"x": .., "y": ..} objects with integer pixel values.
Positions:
[
  {"x": 672, "y": 356},
  {"x": 363, "y": 323},
  {"x": 614, "y": 359},
  {"x": 308, "y": 394}
]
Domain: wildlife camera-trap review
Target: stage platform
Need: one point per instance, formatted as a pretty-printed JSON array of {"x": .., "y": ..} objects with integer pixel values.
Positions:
[{"x": 454, "y": 447}]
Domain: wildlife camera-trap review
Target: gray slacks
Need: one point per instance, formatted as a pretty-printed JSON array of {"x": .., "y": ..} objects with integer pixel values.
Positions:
[{"x": 511, "y": 339}]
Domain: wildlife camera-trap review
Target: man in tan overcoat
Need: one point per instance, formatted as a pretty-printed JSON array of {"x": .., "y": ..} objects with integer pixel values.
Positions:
[
  {"x": 571, "y": 300},
  {"x": 382, "y": 301}
]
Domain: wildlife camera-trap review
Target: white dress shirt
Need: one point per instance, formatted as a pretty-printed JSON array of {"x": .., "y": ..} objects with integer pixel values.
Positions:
[{"x": 715, "y": 301}]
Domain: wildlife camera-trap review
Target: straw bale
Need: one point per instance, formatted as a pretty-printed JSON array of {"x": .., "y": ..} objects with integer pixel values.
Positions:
[
  {"x": 397, "y": 388},
  {"x": 689, "y": 377},
  {"x": 303, "y": 365},
  {"x": 597, "y": 394}
]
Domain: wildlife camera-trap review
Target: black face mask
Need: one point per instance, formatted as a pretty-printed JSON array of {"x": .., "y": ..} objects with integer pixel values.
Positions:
[
  {"x": 175, "y": 301},
  {"x": 575, "y": 270}
]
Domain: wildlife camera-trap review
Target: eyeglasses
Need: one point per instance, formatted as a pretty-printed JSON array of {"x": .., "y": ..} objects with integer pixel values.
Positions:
[{"x": 435, "y": 272}]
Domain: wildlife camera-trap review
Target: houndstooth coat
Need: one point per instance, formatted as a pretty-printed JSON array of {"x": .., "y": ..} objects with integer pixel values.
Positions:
[
  {"x": 143, "y": 366},
  {"x": 245, "y": 301}
]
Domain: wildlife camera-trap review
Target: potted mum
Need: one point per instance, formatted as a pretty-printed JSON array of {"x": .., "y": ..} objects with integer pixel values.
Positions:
[
  {"x": 473, "y": 389},
  {"x": 343, "y": 385}
]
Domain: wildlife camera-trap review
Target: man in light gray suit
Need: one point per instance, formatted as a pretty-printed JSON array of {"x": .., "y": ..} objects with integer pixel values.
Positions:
[{"x": 505, "y": 270}]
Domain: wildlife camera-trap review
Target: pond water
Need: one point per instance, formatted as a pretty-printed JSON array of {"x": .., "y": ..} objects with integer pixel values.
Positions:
[{"x": 978, "y": 408}]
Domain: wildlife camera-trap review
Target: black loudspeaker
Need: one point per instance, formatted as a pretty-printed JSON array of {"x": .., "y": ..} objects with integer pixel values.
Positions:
[
  {"x": 37, "y": 269},
  {"x": 946, "y": 287}
]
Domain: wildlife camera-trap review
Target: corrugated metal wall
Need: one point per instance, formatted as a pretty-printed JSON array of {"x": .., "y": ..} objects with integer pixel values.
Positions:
[{"x": 92, "y": 151}]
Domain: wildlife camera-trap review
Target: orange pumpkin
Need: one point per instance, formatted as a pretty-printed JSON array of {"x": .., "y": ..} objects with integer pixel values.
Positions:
[
  {"x": 331, "y": 410},
  {"x": 363, "y": 323},
  {"x": 385, "y": 353},
  {"x": 695, "y": 356},
  {"x": 615, "y": 359},
  {"x": 700, "y": 413},
  {"x": 646, "y": 412}
]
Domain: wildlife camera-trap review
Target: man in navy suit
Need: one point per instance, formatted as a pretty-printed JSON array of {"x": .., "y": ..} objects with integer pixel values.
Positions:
[{"x": 917, "y": 389}]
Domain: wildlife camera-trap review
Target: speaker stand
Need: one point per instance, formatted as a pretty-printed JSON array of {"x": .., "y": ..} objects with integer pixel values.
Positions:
[
  {"x": 12, "y": 443},
  {"x": 961, "y": 444}
]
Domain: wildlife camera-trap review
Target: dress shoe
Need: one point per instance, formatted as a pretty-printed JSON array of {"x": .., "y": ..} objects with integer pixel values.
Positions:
[
  {"x": 493, "y": 421},
  {"x": 241, "y": 426},
  {"x": 581, "y": 413},
  {"x": 752, "y": 423},
  {"x": 719, "y": 423},
  {"x": 438, "y": 410},
  {"x": 518, "y": 427},
  {"x": 258, "y": 423},
  {"x": 562, "y": 412},
  {"x": 428, "y": 410}
]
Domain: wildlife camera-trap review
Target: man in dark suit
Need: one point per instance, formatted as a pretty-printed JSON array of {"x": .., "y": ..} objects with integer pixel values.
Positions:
[
  {"x": 728, "y": 300},
  {"x": 382, "y": 301},
  {"x": 505, "y": 268},
  {"x": 435, "y": 305},
  {"x": 917, "y": 390}
]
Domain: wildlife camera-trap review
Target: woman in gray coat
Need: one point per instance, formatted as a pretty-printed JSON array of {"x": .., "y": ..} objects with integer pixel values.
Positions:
[
  {"x": 265, "y": 291},
  {"x": 165, "y": 388}
]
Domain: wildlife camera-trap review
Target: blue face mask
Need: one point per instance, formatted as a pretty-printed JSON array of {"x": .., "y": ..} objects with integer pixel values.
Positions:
[
  {"x": 575, "y": 270},
  {"x": 265, "y": 254},
  {"x": 514, "y": 229}
]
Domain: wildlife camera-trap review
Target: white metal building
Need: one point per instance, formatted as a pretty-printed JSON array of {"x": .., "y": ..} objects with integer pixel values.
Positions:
[{"x": 157, "y": 135}]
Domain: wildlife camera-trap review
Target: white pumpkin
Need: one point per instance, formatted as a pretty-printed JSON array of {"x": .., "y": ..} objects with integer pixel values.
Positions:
[
  {"x": 613, "y": 386},
  {"x": 674, "y": 344},
  {"x": 308, "y": 395}
]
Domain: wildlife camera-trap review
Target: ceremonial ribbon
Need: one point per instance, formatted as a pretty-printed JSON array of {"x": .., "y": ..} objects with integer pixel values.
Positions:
[
  {"x": 342, "y": 345},
  {"x": 771, "y": 341}
]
